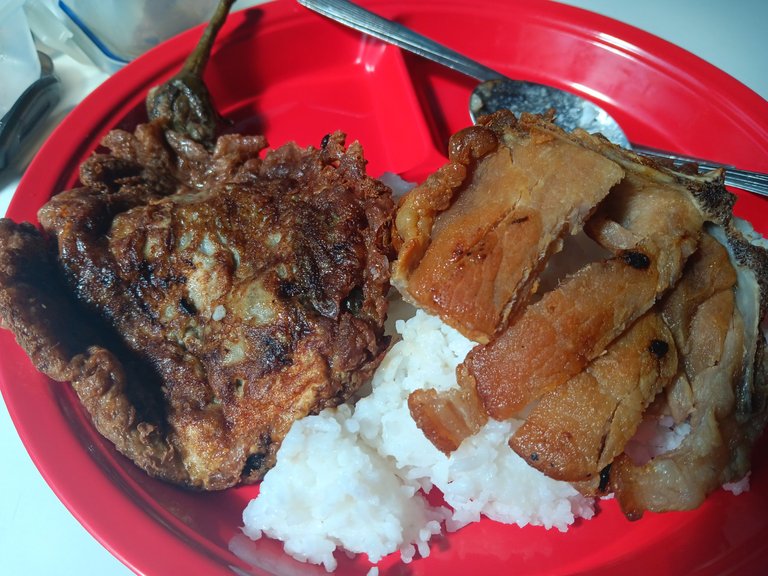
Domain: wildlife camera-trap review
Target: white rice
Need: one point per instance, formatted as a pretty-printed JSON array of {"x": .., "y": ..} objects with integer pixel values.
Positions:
[
  {"x": 655, "y": 436},
  {"x": 397, "y": 184},
  {"x": 738, "y": 487},
  {"x": 355, "y": 478}
]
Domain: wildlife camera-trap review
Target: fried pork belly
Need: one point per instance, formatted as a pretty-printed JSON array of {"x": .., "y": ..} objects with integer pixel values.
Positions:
[
  {"x": 710, "y": 333},
  {"x": 200, "y": 302},
  {"x": 448, "y": 417},
  {"x": 577, "y": 429},
  {"x": 748, "y": 253},
  {"x": 653, "y": 229},
  {"x": 477, "y": 233},
  {"x": 559, "y": 356}
]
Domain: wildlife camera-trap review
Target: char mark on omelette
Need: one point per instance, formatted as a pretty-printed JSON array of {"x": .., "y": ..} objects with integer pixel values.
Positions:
[{"x": 214, "y": 296}]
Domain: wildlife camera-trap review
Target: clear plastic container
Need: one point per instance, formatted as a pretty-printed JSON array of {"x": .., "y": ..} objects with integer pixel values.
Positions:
[
  {"x": 111, "y": 33},
  {"x": 19, "y": 63},
  {"x": 126, "y": 29}
]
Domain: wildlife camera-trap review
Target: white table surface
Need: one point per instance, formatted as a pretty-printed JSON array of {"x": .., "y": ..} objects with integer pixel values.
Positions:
[{"x": 38, "y": 536}]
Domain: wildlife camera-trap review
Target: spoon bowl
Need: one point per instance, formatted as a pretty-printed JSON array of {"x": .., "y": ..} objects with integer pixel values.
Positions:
[
  {"x": 518, "y": 96},
  {"x": 495, "y": 90}
]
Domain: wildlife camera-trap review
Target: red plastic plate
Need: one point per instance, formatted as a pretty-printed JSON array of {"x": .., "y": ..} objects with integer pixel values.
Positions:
[{"x": 293, "y": 75}]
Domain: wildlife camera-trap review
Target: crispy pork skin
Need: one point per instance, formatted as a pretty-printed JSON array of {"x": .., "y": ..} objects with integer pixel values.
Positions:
[
  {"x": 577, "y": 429},
  {"x": 476, "y": 235},
  {"x": 653, "y": 230},
  {"x": 709, "y": 330},
  {"x": 448, "y": 417},
  {"x": 226, "y": 294},
  {"x": 564, "y": 361}
]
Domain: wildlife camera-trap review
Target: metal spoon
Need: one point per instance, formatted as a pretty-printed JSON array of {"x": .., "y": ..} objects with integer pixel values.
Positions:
[{"x": 496, "y": 91}]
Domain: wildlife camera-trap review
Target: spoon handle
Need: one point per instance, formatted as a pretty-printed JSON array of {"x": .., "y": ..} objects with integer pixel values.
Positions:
[
  {"x": 749, "y": 181},
  {"x": 360, "y": 19},
  {"x": 363, "y": 20}
]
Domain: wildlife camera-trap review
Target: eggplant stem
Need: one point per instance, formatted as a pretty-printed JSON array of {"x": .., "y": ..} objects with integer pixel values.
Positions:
[
  {"x": 198, "y": 59},
  {"x": 183, "y": 103}
]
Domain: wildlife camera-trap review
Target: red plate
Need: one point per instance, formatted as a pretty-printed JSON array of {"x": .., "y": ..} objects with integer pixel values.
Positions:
[{"x": 294, "y": 75}]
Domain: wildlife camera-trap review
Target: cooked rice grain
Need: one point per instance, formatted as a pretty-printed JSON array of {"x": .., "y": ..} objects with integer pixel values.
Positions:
[{"x": 355, "y": 479}]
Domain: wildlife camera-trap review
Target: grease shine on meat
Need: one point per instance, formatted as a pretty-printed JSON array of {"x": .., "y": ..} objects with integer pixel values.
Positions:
[{"x": 642, "y": 327}]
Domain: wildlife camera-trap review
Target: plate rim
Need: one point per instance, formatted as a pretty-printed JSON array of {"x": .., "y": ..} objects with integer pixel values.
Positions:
[{"x": 169, "y": 51}]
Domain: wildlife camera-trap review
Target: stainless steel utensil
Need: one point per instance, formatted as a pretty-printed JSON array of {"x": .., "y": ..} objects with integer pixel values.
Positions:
[
  {"x": 34, "y": 104},
  {"x": 497, "y": 91}
]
